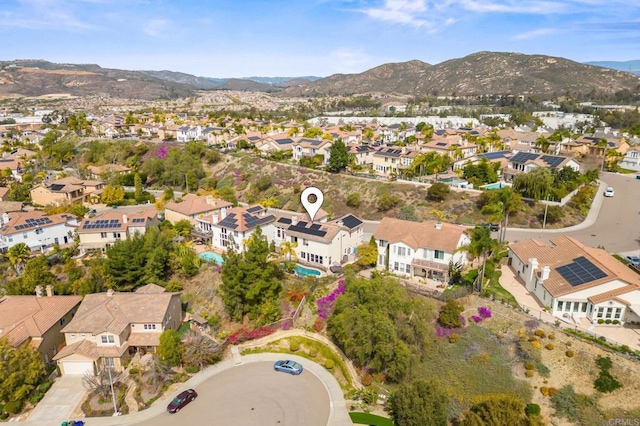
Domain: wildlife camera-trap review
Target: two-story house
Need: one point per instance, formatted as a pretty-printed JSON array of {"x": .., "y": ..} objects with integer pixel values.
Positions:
[
  {"x": 422, "y": 249},
  {"x": 631, "y": 160},
  {"x": 67, "y": 190},
  {"x": 577, "y": 282},
  {"x": 37, "y": 320},
  {"x": 109, "y": 327},
  {"x": 97, "y": 172},
  {"x": 101, "y": 231},
  {"x": 233, "y": 227},
  {"x": 524, "y": 162},
  {"x": 386, "y": 160},
  {"x": 193, "y": 206},
  {"x": 321, "y": 244},
  {"x": 362, "y": 154},
  {"x": 36, "y": 230},
  {"x": 306, "y": 147}
]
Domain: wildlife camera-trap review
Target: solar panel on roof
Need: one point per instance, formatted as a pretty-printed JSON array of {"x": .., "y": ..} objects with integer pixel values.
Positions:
[
  {"x": 351, "y": 221},
  {"x": 580, "y": 271},
  {"x": 523, "y": 157},
  {"x": 552, "y": 160},
  {"x": 302, "y": 224},
  {"x": 441, "y": 144},
  {"x": 315, "y": 226},
  {"x": 56, "y": 187}
]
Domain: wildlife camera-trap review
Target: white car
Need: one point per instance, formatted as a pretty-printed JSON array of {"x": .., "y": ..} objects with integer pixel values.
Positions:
[{"x": 609, "y": 192}]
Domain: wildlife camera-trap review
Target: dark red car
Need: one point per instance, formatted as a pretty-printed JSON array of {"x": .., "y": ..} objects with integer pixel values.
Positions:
[{"x": 181, "y": 400}]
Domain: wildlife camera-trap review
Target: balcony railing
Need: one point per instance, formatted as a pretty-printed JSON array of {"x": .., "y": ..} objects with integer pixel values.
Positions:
[{"x": 428, "y": 264}]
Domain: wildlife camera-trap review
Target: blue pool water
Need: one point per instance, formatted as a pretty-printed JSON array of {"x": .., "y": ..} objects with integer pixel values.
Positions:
[
  {"x": 211, "y": 257},
  {"x": 497, "y": 185},
  {"x": 305, "y": 272}
]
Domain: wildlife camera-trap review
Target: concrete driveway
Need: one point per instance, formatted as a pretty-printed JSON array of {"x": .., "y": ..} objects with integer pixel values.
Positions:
[{"x": 66, "y": 394}]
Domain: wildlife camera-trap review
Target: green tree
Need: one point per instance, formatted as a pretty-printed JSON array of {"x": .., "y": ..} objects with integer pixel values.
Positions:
[
  {"x": 288, "y": 249},
  {"x": 170, "y": 349},
  {"x": 248, "y": 279},
  {"x": 408, "y": 212},
  {"x": 21, "y": 371},
  {"x": 387, "y": 201},
  {"x": 19, "y": 192},
  {"x": 378, "y": 325},
  {"x": 183, "y": 228},
  {"x": 18, "y": 256},
  {"x": 112, "y": 195},
  {"x": 498, "y": 410},
  {"x": 137, "y": 183},
  {"x": 439, "y": 191},
  {"x": 368, "y": 253},
  {"x": 338, "y": 157},
  {"x": 535, "y": 184},
  {"x": 482, "y": 173},
  {"x": 419, "y": 403},
  {"x": 450, "y": 314},
  {"x": 36, "y": 272},
  {"x": 354, "y": 199}
]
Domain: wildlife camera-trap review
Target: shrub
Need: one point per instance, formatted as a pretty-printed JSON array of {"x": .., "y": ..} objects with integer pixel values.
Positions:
[
  {"x": 13, "y": 407},
  {"x": 553, "y": 391},
  {"x": 438, "y": 191},
  {"x": 453, "y": 338},
  {"x": 353, "y": 200},
  {"x": 318, "y": 325},
  {"x": 569, "y": 353},
  {"x": 329, "y": 364},
  {"x": 36, "y": 397},
  {"x": 45, "y": 386},
  {"x": 533, "y": 339},
  {"x": 191, "y": 369},
  {"x": 532, "y": 409},
  {"x": 529, "y": 365},
  {"x": 450, "y": 314},
  {"x": 313, "y": 352},
  {"x": 536, "y": 344},
  {"x": 549, "y": 346},
  {"x": 529, "y": 373},
  {"x": 4, "y": 415},
  {"x": 616, "y": 322},
  {"x": 523, "y": 338},
  {"x": 600, "y": 321},
  {"x": 544, "y": 391},
  {"x": 294, "y": 346},
  {"x": 134, "y": 370},
  {"x": 367, "y": 379},
  {"x": 540, "y": 333},
  {"x": 607, "y": 321},
  {"x": 606, "y": 383},
  {"x": 552, "y": 336}
]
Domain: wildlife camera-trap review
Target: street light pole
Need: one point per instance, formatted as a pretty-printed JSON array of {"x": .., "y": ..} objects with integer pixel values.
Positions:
[
  {"x": 113, "y": 395},
  {"x": 546, "y": 207}
]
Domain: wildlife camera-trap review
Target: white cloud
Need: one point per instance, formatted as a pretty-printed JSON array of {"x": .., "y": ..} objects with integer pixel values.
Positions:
[
  {"x": 538, "y": 33},
  {"x": 400, "y": 12},
  {"x": 156, "y": 27}
]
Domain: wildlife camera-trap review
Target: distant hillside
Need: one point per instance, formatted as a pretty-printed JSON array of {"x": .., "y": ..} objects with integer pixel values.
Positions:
[
  {"x": 477, "y": 74},
  {"x": 281, "y": 81},
  {"x": 628, "y": 66},
  {"x": 203, "y": 83},
  {"x": 38, "y": 77}
]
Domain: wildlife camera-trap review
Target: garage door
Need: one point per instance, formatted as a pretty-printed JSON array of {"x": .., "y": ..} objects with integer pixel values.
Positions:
[{"x": 77, "y": 367}]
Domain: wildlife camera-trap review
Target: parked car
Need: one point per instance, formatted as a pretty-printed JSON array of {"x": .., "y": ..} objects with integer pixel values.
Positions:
[
  {"x": 181, "y": 400},
  {"x": 288, "y": 366},
  {"x": 609, "y": 192},
  {"x": 633, "y": 260},
  {"x": 493, "y": 227},
  {"x": 73, "y": 423}
]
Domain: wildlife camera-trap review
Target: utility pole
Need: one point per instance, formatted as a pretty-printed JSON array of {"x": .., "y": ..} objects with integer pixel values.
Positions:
[
  {"x": 113, "y": 395},
  {"x": 546, "y": 207}
]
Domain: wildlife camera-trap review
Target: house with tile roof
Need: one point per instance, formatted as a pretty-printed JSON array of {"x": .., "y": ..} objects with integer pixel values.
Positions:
[
  {"x": 524, "y": 162},
  {"x": 109, "y": 327},
  {"x": 420, "y": 249},
  {"x": 631, "y": 160},
  {"x": 36, "y": 229},
  {"x": 37, "y": 320},
  {"x": 361, "y": 154},
  {"x": 306, "y": 147},
  {"x": 232, "y": 227},
  {"x": 114, "y": 169},
  {"x": 321, "y": 244},
  {"x": 14, "y": 165},
  {"x": 193, "y": 206},
  {"x": 67, "y": 190},
  {"x": 4, "y": 193},
  {"x": 101, "y": 231},
  {"x": 576, "y": 281}
]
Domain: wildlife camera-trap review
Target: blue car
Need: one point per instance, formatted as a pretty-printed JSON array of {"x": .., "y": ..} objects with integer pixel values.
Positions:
[{"x": 287, "y": 366}]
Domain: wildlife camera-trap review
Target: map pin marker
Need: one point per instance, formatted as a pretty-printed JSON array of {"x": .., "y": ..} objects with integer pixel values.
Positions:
[{"x": 311, "y": 207}]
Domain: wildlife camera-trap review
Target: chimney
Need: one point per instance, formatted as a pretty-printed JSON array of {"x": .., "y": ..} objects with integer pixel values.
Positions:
[
  {"x": 110, "y": 292},
  {"x": 125, "y": 219},
  {"x": 223, "y": 213},
  {"x": 544, "y": 274},
  {"x": 49, "y": 289},
  {"x": 5, "y": 218},
  {"x": 438, "y": 225},
  {"x": 214, "y": 218},
  {"x": 533, "y": 265},
  {"x": 210, "y": 200},
  {"x": 39, "y": 290},
  {"x": 294, "y": 220}
]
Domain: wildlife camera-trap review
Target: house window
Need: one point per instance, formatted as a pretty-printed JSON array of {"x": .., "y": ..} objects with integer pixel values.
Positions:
[
  {"x": 408, "y": 268},
  {"x": 600, "y": 312},
  {"x": 103, "y": 235},
  {"x": 62, "y": 321},
  {"x": 567, "y": 307},
  {"x": 305, "y": 242},
  {"x": 439, "y": 254},
  {"x": 73, "y": 336},
  {"x": 149, "y": 326},
  {"x": 560, "y": 303},
  {"x": 609, "y": 312},
  {"x": 402, "y": 251},
  {"x": 25, "y": 235},
  {"x": 107, "y": 339},
  {"x": 82, "y": 335},
  {"x": 584, "y": 307},
  {"x": 396, "y": 266},
  {"x": 279, "y": 233},
  {"x": 39, "y": 231},
  {"x": 303, "y": 254},
  {"x": 116, "y": 235},
  {"x": 618, "y": 313},
  {"x": 108, "y": 362},
  {"x": 576, "y": 306},
  {"x": 380, "y": 243}
]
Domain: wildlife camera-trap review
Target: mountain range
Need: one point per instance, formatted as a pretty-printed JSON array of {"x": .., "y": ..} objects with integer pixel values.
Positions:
[{"x": 482, "y": 73}]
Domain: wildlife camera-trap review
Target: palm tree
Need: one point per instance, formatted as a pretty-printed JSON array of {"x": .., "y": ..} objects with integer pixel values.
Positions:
[
  {"x": 288, "y": 249},
  {"x": 481, "y": 246},
  {"x": 18, "y": 256}
]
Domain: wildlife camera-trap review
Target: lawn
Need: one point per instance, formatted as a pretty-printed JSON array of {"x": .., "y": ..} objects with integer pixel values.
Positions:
[
  {"x": 369, "y": 419},
  {"x": 494, "y": 289}
]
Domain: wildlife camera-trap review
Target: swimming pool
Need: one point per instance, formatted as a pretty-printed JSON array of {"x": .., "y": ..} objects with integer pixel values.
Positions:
[
  {"x": 211, "y": 257},
  {"x": 305, "y": 272},
  {"x": 496, "y": 185}
]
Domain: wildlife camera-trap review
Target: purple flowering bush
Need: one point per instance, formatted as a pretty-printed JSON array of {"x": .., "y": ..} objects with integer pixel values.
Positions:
[
  {"x": 326, "y": 304},
  {"x": 476, "y": 318},
  {"x": 484, "y": 312},
  {"x": 161, "y": 153}
]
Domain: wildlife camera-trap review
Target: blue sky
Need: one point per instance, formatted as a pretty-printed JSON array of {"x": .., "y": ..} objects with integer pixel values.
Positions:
[{"x": 241, "y": 38}]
